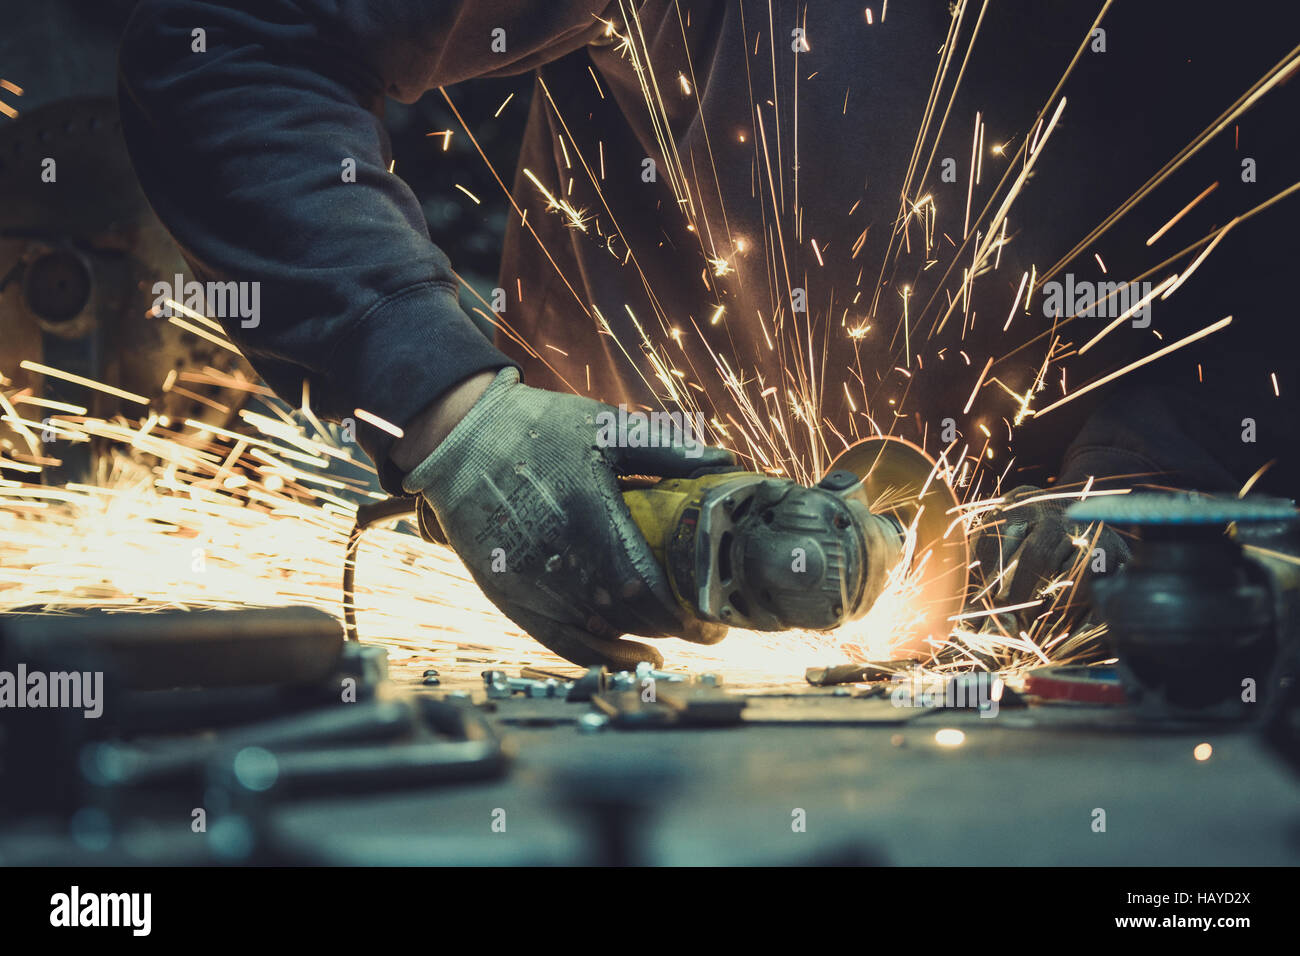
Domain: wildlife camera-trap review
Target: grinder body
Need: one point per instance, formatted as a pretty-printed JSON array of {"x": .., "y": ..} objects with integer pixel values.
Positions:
[{"x": 770, "y": 554}]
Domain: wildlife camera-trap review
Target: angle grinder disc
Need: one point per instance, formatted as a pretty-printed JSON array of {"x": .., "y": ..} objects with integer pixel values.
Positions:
[{"x": 899, "y": 478}]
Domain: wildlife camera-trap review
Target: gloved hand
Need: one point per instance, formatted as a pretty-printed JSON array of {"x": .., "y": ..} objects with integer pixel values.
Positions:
[
  {"x": 528, "y": 498},
  {"x": 1040, "y": 539}
]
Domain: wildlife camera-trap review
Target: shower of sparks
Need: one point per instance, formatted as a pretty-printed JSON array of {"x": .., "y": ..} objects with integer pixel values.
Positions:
[
  {"x": 196, "y": 516},
  {"x": 197, "y": 523},
  {"x": 193, "y": 515}
]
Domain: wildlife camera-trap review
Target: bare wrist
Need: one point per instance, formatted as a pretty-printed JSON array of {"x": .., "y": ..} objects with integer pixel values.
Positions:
[{"x": 426, "y": 430}]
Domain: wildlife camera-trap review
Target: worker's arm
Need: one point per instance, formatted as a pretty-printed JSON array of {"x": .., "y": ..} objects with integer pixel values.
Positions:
[
  {"x": 264, "y": 154},
  {"x": 255, "y": 129}
]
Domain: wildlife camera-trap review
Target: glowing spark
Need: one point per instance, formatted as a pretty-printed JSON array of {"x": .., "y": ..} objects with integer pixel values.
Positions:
[
  {"x": 949, "y": 737},
  {"x": 78, "y": 380},
  {"x": 970, "y": 615},
  {"x": 576, "y": 217},
  {"x": 378, "y": 422},
  {"x": 818, "y": 253},
  {"x": 1128, "y": 313},
  {"x": 1187, "y": 273},
  {"x": 477, "y": 201},
  {"x": 204, "y": 334},
  {"x": 1181, "y": 213},
  {"x": 16, "y": 90},
  {"x": 50, "y": 403},
  {"x": 1160, "y": 353},
  {"x": 978, "y": 382}
]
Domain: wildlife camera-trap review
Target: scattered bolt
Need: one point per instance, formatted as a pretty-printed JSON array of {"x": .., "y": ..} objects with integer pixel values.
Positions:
[
  {"x": 431, "y": 673},
  {"x": 431, "y": 680},
  {"x": 592, "y": 723},
  {"x": 593, "y": 682},
  {"x": 644, "y": 670}
]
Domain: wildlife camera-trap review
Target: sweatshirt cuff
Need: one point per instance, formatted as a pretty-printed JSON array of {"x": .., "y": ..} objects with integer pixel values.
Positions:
[{"x": 399, "y": 357}]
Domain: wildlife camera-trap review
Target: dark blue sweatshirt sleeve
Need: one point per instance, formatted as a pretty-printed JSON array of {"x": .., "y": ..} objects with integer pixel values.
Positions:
[{"x": 245, "y": 138}]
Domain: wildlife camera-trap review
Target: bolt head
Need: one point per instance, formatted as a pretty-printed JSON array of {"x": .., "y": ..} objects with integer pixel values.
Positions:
[{"x": 592, "y": 723}]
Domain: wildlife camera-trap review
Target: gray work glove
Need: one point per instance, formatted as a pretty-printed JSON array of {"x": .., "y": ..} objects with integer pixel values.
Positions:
[
  {"x": 530, "y": 502},
  {"x": 1038, "y": 537}
]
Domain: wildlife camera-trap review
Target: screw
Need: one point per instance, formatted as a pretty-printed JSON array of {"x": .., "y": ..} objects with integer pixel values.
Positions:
[
  {"x": 592, "y": 723},
  {"x": 644, "y": 670},
  {"x": 533, "y": 688}
]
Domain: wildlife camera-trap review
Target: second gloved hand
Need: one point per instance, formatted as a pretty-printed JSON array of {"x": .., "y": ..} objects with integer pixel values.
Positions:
[
  {"x": 527, "y": 495},
  {"x": 1031, "y": 543}
]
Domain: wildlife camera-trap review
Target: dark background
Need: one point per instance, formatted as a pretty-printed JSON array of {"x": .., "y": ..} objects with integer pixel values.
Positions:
[{"x": 57, "y": 49}]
